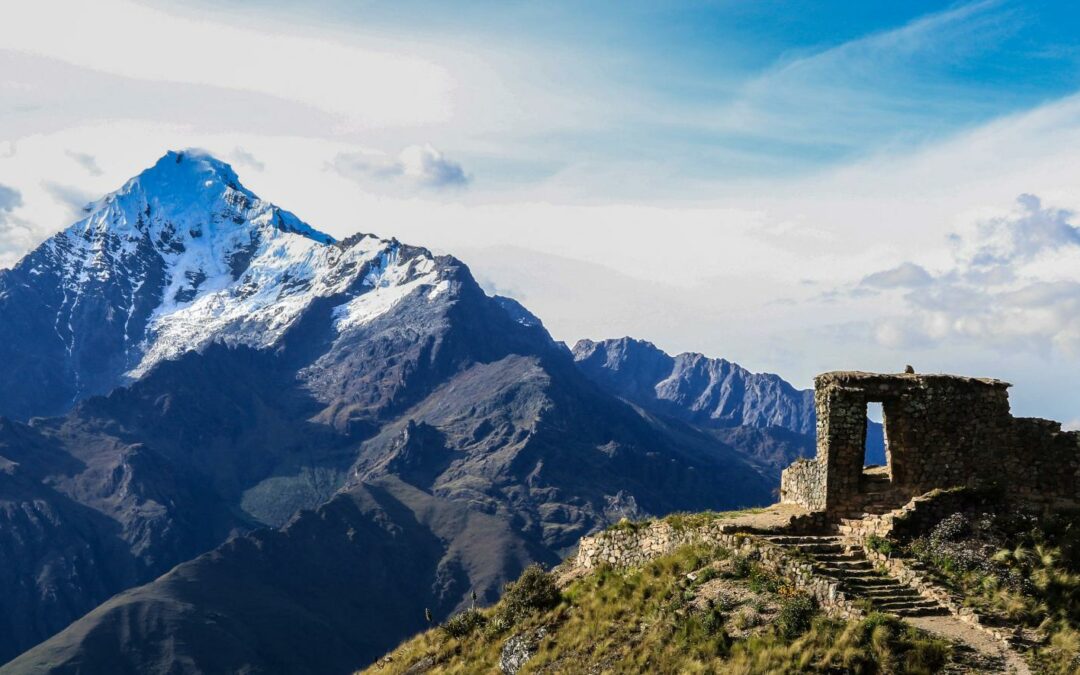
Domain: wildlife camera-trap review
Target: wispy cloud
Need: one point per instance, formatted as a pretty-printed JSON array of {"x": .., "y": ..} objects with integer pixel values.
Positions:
[
  {"x": 14, "y": 232},
  {"x": 905, "y": 275},
  {"x": 242, "y": 157},
  {"x": 10, "y": 198},
  {"x": 73, "y": 198},
  {"x": 875, "y": 89},
  {"x": 416, "y": 165},
  {"x": 384, "y": 89},
  {"x": 86, "y": 161}
]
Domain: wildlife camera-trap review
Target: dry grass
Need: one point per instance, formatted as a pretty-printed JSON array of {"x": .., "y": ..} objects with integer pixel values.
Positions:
[{"x": 680, "y": 613}]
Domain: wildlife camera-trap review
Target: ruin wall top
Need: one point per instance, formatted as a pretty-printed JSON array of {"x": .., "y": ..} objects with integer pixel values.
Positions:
[{"x": 874, "y": 381}]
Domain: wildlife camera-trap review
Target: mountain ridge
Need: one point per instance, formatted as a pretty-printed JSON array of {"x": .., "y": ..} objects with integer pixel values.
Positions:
[{"x": 319, "y": 372}]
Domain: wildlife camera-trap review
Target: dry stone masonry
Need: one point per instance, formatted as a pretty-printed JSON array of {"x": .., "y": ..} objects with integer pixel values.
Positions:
[
  {"x": 635, "y": 546},
  {"x": 941, "y": 431}
]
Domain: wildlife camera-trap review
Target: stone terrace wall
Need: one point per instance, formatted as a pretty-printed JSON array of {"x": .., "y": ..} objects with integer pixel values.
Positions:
[{"x": 633, "y": 547}]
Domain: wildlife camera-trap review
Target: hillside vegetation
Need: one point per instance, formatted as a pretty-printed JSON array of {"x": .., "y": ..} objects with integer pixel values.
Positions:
[
  {"x": 699, "y": 609},
  {"x": 1015, "y": 569}
]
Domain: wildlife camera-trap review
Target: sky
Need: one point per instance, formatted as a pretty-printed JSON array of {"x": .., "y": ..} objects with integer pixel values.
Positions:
[{"x": 795, "y": 186}]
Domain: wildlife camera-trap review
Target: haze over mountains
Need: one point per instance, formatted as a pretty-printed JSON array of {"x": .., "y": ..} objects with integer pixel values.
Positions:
[{"x": 233, "y": 443}]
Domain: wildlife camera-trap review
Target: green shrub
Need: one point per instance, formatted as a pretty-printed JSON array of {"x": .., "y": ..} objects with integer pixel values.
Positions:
[
  {"x": 763, "y": 581},
  {"x": 627, "y": 525},
  {"x": 741, "y": 567},
  {"x": 712, "y": 621},
  {"x": 796, "y": 613},
  {"x": 463, "y": 623},
  {"x": 879, "y": 544},
  {"x": 534, "y": 591}
]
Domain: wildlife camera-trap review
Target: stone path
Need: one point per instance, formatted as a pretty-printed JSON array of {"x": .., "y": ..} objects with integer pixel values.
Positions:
[{"x": 974, "y": 650}]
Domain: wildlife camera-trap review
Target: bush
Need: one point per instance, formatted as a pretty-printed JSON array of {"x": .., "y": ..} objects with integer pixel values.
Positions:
[
  {"x": 463, "y": 624},
  {"x": 741, "y": 567},
  {"x": 763, "y": 581},
  {"x": 534, "y": 591},
  {"x": 796, "y": 613},
  {"x": 1016, "y": 567},
  {"x": 879, "y": 544}
]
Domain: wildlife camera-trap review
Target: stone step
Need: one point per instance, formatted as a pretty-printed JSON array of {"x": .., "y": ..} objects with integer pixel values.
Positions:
[
  {"x": 849, "y": 565},
  {"x": 871, "y": 584},
  {"x": 842, "y": 553},
  {"x": 820, "y": 550},
  {"x": 890, "y": 594},
  {"x": 920, "y": 611},
  {"x": 834, "y": 557},
  {"x": 884, "y": 603},
  {"x": 902, "y": 601},
  {"x": 794, "y": 540}
]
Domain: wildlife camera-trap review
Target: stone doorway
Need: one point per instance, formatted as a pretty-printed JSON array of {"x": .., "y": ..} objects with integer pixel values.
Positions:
[
  {"x": 875, "y": 483},
  {"x": 874, "y": 443}
]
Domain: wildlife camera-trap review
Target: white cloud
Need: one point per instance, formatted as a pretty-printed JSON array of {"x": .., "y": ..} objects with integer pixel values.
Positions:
[
  {"x": 15, "y": 235},
  {"x": 9, "y": 199},
  {"x": 86, "y": 161},
  {"x": 427, "y": 166},
  {"x": 364, "y": 87},
  {"x": 1018, "y": 236},
  {"x": 72, "y": 198},
  {"x": 243, "y": 158},
  {"x": 996, "y": 291},
  {"x": 905, "y": 275},
  {"x": 416, "y": 165}
]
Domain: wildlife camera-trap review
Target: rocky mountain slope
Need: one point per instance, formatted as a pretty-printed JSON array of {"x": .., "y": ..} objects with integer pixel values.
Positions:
[
  {"x": 349, "y": 413},
  {"x": 760, "y": 412},
  {"x": 707, "y": 392}
]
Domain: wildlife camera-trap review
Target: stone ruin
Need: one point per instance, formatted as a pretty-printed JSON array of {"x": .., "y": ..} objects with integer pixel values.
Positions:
[{"x": 941, "y": 431}]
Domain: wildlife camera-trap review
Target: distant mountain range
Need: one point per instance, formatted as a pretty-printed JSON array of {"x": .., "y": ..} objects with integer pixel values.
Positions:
[{"x": 234, "y": 444}]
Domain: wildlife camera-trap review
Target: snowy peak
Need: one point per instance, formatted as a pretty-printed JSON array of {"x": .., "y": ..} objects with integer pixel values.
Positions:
[
  {"x": 181, "y": 256},
  {"x": 185, "y": 196}
]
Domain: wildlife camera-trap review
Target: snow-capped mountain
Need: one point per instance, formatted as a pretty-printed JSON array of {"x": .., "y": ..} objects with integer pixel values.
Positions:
[
  {"x": 322, "y": 419},
  {"x": 181, "y": 256}
]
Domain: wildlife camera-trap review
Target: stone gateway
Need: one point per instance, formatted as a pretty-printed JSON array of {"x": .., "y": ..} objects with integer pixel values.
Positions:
[{"x": 941, "y": 431}]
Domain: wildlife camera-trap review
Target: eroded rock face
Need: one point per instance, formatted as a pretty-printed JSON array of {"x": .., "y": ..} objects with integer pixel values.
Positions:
[{"x": 692, "y": 387}]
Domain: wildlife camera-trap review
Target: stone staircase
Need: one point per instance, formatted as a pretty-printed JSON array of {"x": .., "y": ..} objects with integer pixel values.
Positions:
[{"x": 857, "y": 576}]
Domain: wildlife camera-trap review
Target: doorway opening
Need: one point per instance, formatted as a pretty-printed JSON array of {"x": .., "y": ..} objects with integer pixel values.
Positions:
[{"x": 874, "y": 442}]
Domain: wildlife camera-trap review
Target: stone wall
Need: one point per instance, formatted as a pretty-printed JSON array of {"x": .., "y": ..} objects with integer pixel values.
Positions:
[
  {"x": 634, "y": 546},
  {"x": 803, "y": 483},
  {"x": 1048, "y": 468},
  {"x": 919, "y": 515},
  {"x": 941, "y": 431}
]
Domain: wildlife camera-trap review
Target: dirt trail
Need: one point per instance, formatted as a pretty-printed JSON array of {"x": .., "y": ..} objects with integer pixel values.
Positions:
[{"x": 986, "y": 654}]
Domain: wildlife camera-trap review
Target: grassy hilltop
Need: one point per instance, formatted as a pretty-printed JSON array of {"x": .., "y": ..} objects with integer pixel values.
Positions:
[
  {"x": 699, "y": 609},
  {"x": 704, "y": 609}
]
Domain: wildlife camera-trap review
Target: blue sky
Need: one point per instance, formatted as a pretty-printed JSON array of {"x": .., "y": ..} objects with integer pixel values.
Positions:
[
  {"x": 736, "y": 89},
  {"x": 796, "y": 186}
]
